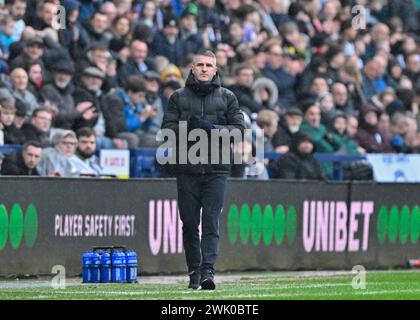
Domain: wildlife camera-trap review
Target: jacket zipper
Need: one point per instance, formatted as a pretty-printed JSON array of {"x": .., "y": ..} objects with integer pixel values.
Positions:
[{"x": 202, "y": 107}]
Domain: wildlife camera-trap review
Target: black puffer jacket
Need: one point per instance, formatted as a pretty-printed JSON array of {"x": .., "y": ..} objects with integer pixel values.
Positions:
[{"x": 219, "y": 106}]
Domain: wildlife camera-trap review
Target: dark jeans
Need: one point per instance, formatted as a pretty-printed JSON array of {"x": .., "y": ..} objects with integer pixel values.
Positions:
[{"x": 196, "y": 192}]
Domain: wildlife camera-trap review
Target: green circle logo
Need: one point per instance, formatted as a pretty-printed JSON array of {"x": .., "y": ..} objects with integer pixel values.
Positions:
[
  {"x": 256, "y": 224},
  {"x": 382, "y": 224},
  {"x": 4, "y": 226},
  {"x": 245, "y": 224},
  {"x": 268, "y": 225},
  {"x": 233, "y": 224},
  {"x": 30, "y": 226},
  {"x": 291, "y": 225},
  {"x": 393, "y": 225},
  {"x": 415, "y": 225},
  {"x": 279, "y": 224},
  {"x": 404, "y": 224},
  {"x": 16, "y": 226}
]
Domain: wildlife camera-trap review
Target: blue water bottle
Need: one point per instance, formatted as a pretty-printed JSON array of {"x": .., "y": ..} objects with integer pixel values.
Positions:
[
  {"x": 87, "y": 267},
  {"x": 96, "y": 267},
  {"x": 131, "y": 270},
  {"x": 118, "y": 266},
  {"x": 105, "y": 267}
]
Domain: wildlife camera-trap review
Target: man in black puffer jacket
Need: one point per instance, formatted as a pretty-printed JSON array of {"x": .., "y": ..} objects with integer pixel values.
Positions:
[{"x": 202, "y": 104}]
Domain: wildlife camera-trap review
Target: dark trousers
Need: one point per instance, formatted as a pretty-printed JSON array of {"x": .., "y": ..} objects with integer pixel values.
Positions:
[{"x": 196, "y": 192}]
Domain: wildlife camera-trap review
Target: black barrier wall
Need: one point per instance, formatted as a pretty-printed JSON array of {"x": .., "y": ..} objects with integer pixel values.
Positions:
[{"x": 46, "y": 222}]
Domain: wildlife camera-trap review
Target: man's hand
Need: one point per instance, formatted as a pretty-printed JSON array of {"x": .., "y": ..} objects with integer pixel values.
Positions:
[{"x": 195, "y": 122}]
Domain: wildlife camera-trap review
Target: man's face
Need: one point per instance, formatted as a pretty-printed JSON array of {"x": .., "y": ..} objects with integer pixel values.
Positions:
[
  {"x": 152, "y": 85},
  {"x": 275, "y": 57},
  {"x": 32, "y": 156},
  {"x": 100, "y": 23},
  {"x": 92, "y": 83},
  {"x": 34, "y": 51},
  {"x": 62, "y": 79},
  {"x": 188, "y": 22},
  {"x": 67, "y": 145},
  {"x": 319, "y": 85},
  {"x": 352, "y": 126},
  {"x": 293, "y": 122},
  {"x": 245, "y": 78},
  {"x": 18, "y": 10},
  {"x": 339, "y": 93},
  {"x": 340, "y": 124},
  {"x": 48, "y": 13},
  {"x": 204, "y": 68},
  {"x": 305, "y": 147},
  {"x": 139, "y": 51},
  {"x": 35, "y": 72},
  {"x": 137, "y": 97},
  {"x": 371, "y": 118},
  {"x": 270, "y": 130},
  {"x": 100, "y": 57},
  {"x": 42, "y": 121},
  {"x": 87, "y": 146},
  {"x": 313, "y": 116},
  {"x": 7, "y": 117},
  {"x": 19, "y": 79}
]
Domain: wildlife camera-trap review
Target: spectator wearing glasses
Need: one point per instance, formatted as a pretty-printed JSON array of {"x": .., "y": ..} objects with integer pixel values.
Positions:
[{"x": 59, "y": 160}]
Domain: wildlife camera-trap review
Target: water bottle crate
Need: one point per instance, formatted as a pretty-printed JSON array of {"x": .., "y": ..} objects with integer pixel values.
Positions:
[{"x": 109, "y": 264}]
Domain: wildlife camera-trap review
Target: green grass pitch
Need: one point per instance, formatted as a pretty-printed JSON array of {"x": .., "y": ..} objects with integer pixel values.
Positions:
[{"x": 392, "y": 285}]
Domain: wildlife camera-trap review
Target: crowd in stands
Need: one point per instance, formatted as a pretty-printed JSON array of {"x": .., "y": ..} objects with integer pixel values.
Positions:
[{"x": 315, "y": 75}]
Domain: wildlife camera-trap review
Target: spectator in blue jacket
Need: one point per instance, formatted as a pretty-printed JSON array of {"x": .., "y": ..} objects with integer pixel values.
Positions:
[{"x": 126, "y": 113}]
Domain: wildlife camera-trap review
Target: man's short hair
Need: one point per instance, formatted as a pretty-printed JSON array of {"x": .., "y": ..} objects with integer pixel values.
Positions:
[
  {"x": 241, "y": 67},
  {"x": 135, "y": 84},
  {"x": 32, "y": 143},
  {"x": 7, "y": 104},
  {"x": 205, "y": 53},
  {"x": 85, "y": 132},
  {"x": 40, "y": 109},
  {"x": 266, "y": 117}
]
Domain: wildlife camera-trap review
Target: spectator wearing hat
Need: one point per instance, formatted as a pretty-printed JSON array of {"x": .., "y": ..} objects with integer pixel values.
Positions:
[
  {"x": 89, "y": 89},
  {"x": 23, "y": 163},
  {"x": 168, "y": 43},
  {"x": 188, "y": 30},
  {"x": 12, "y": 134},
  {"x": 33, "y": 51},
  {"x": 368, "y": 134},
  {"x": 171, "y": 73},
  {"x": 138, "y": 62},
  {"x": 299, "y": 162},
  {"x": 289, "y": 126},
  {"x": 59, "y": 93},
  {"x": 20, "y": 114}
]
